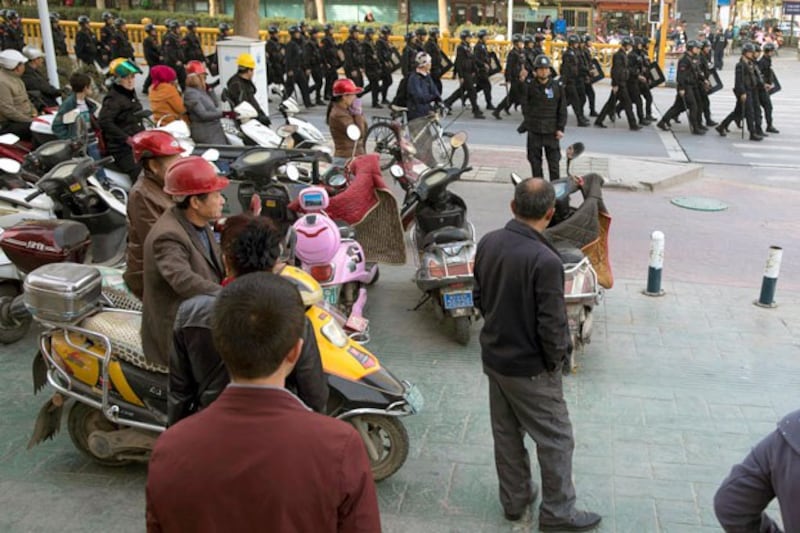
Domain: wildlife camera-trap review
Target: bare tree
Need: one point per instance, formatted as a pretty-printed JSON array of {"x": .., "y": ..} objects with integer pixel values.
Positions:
[
  {"x": 310, "y": 9},
  {"x": 245, "y": 18}
]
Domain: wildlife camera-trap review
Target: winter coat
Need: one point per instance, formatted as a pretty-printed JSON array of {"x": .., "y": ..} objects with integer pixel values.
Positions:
[
  {"x": 15, "y": 106},
  {"x": 204, "y": 117},
  {"x": 68, "y": 131},
  {"x": 118, "y": 119},
  {"x": 166, "y": 102},
  {"x": 422, "y": 92},
  {"x": 338, "y": 121},
  {"x": 36, "y": 80}
]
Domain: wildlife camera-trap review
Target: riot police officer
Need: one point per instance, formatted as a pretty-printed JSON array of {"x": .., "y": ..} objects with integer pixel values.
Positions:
[
  {"x": 431, "y": 47},
  {"x": 12, "y": 35},
  {"x": 410, "y": 51},
  {"x": 544, "y": 109},
  {"x": 764, "y": 65},
  {"x": 107, "y": 33},
  {"x": 483, "y": 62},
  {"x": 619, "y": 87},
  {"x": 386, "y": 51},
  {"x": 572, "y": 79},
  {"x": 635, "y": 77},
  {"x": 275, "y": 57},
  {"x": 65, "y": 66},
  {"x": 296, "y": 66},
  {"x": 538, "y": 47},
  {"x": 531, "y": 52},
  {"x": 192, "y": 49},
  {"x": 588, "y": 84},
  {"x": 88, "y": 50},
  {"x": 466, "y": 69},
  {"x": 644, "y": 81},
  {"x": 172, "y": 51},
  {"x": 120, "y": 45},
  {"x": 331, "y": 58},
  {"x": 703, "y": 65},
  {"x": 515, "y": 73},
  {"x": 313, "y": 57},
  {"x": 372, "y": 67},
  {"x": 687, "y": 89},
  {"x": 353, "y": 57},
  {"x": 152, "y": 52},
  {"x": 223, "y": 31},
  {"x": 745, "y": 88}
]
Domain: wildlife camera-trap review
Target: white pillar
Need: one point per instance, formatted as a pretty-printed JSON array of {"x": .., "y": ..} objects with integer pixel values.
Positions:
[{"x": 47, "y": 43}]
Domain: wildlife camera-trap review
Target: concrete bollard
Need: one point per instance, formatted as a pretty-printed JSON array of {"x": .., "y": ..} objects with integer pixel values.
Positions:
[
  {"x": 656, "y": 265},
  {"x": 770, "y": 279}
]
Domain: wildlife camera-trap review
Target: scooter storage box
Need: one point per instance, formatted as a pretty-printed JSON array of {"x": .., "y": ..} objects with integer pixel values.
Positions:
[
  {"x": 63, "y": 292},
  {"x": 429, "y": 219},
  {"x": 34, "y": 243}
]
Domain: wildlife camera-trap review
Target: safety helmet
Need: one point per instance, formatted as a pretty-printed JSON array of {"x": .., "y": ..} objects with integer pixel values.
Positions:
[
  {"x": 193, "y": 175},
  {"x": 409, "y": 35},
  {"x": 354, "y": 28},
  {"x": 748, "y": 47},
  {"x": 527, "y": 38},
  {"x": 386, "y": 29},
  {"x": 118, "y": 23},
  {"x": 174, "y": 25},
  {"x": 154, "y": 143},
  {"x": 539, "y": 37},
  {"x": 706, "y": 44},
  {"x": 574, "y": 39},
  {"x": 626, "y": 41},
  {"x": 692, "y": 44},
  {"x": 645, "y": 41},
  {"x": 195, "y": 67},
  {"x": 757, "y": 46},
  {"x": 224, "y": 27},
  {"x": 542, "y": 61},
  {"x": 83, "y": 19},
  {"x": 273, "y": 29},
  {"x": 433, "y": 31},
  {"x": 769, "y": 47},
  {"x": 11, "y": 14},
  {"x": 344, "y": 86},
  {"x": 302, "y": 24},
  {"x": 149, "y": 28},
  {"x": 516, "y": 38},
  {"x": 422, "y": 31},
  {"x": 465, "y": 34},
  {"x": 328, "y": 27},
  {"x": 294, "y": 28},
  {"x": 190, "y": 24},
  {"x": 122, "y": 68},
  {"x": 637, "y": 41},
  {"x": 482, "y": 33},
  {"x": 55, "y": 17},
  {"x": 10, "y": 58},
  {"x": 108, "y": 15},
  {"x": 587, "y": 38},
  {"x": 314, "y": 30},
  {"x": 422, "y": 59},
  {"x": 246, "y": 61},
  {"x": 369, "y": 31}
]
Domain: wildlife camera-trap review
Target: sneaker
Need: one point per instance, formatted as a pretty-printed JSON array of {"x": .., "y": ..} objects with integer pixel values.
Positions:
[{"x": 580, "y": 521}]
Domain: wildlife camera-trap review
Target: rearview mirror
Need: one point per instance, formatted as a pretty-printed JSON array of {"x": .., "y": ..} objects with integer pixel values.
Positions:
[
  {"x": 210, "y": 155},
  {"x": 353, "y": 132},
  {"x": 574, "y": 150},
  {"x": 292, "y": 173},
  {"x": 516, "y": 179},
  {"x": 396, "y": 171},
  {"x": 9, "y": 166},
  {"x": 458, "y": 139}
]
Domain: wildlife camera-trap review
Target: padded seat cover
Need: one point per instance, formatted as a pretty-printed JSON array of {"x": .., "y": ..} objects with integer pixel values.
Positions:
[
  {"x": 126, "y": 341},
  {"x": 445, "y": 235}
]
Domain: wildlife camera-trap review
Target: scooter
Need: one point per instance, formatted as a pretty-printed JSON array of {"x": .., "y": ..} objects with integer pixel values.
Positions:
[
  {"x": 93, "y": 355},
  {"x": 580, "y": 235}
]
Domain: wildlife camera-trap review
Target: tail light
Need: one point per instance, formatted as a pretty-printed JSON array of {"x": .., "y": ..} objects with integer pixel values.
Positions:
[
  {"x": 322, "y": 272},
  {"x": 437, "y": 270}
]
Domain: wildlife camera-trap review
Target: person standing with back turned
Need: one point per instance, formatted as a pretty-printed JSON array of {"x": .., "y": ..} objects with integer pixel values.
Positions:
[{"x": 525, "y": 343}]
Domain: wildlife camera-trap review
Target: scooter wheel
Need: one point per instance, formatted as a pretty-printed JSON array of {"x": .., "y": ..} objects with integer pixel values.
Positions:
[
  {"x": 386, "y": 441},
  {"x": 462, "y": 324},
  {"x": 82, "y": 421},
  {"x": 14, "y": 330}
]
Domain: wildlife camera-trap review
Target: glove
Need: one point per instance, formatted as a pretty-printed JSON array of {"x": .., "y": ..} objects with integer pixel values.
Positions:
[{"x": 522, "y": 128}]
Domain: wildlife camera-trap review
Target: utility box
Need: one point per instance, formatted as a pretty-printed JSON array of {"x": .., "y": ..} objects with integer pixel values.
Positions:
[{"x": 229, "y": 50}]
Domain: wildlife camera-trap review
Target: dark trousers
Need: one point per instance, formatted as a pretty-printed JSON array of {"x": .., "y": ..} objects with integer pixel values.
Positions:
[
  {"x": 148, "y": 81},
  {"x": 319, "y": 79},
  {"x": 705, "y": 105},
  {"x": 513, "y": 97},
  {"x": 589, "y": 90},
  {"x": 685, "y": 103},
  {"x": 644, "y": 90},
  {"x": 465, "y": 91},
  {"x": 374, "y": 86},
  {"x": 485, "y": 86},
  {"x": 547, "y": 142},
  {"x": 718, "y": 55},
  {"x": 330, "y": 77},
  {"x": 611, "y": 105},
  {"x": 386, "y": 82},
  {"x": 533, "y": 405},
  {"x": 636, "y": 98},
  {"x": 298, "y": 77},
  {"x": 574, "y": 100},
  {"x": 765, "y": 100},
  {"x": 358, "y": 77},
  {"x": 755, "y": 101},
  {"x": 437, "y": 80}
]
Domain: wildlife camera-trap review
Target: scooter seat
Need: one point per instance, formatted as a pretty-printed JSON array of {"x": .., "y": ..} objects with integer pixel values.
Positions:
[
  {"x": 398, "y": 108},
  {"x": 569, "y": 254},
  {"x": 346, "y": 231},
  {"x": 445, "y": 235},
  {"x": 123, "y": 329}
]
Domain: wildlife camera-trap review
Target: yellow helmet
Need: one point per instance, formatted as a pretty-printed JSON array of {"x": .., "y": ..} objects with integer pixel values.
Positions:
[
  {"x": 246, "y": 61},
  {"x": 146, "y": 21},
  {"x": 123, "y": 67}
]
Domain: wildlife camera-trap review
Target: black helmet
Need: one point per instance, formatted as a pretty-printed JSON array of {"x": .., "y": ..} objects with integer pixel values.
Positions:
[
  {"x": 748, "y": 47},
  {"x": 11, "y": 14},
  {"x": 191, "y": 23},
  {"x": 516, "y": 38},
  {"x": 542, "y": 61},
  {"x": 692, "y": 44},
  {"x": 769, "y": 47},
  {"x": 120, "y": 22},
  {"x": 433, "y": 31},
  {"x": 539, "y": 37},
  {"x": 386, "y": 30},
  {"x": 587, "y": 38},
  {"x": 574, "y": 39},
  {"x": 409, "y": 35},
  {"x": 224, "y": 27},
  {"x": 645, "y": 41},
  {"x": 294, "y": 28},
  {"x": 757, "y": 46},
  {"x": 422, "y": 31},
  {"x": 482, "y": 33},
  {"x": 174, "y": 25},
  {"x": 354, "y": 28},
  {"x": 107, "y": 15},
  {"x": 149, "y": 28},
  {"x": 527, "y": 38},
  {"x": 369, "y": 31},
  {"x": 272, "y": 30},
  {"x": 328, "y": 27},
  {"x": 302, "y": 24},
  {"x": 706, "y": 43},
  {"x": 55, "y": 17},
  {"x": 465, "y": 34},
  {"x": 313, "y": 30},
  {"x": 83, "y": 19},
  {"x": 627, "y": 41}
]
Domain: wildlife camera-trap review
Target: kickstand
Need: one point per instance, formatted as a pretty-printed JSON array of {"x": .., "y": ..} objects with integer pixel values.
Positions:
[{"x": 422, "y": 301}]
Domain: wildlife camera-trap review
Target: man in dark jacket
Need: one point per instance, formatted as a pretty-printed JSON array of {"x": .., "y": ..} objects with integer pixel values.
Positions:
[
  {"x": 353, "y": 57},
  {"x": 687, "y": 81},
  {"x": 296, "y": 73},
  {"x": 276, "y": 58},
  {"x": 313, "y": 57},
  {"x": 544, "y": 109},
  {"x": 432, "y": 48},
  {"x": 192, "y": 49},
  {"x": 240, "y": 87},
  {"x": 331, "y": 59},
  {"x": 516, "y": 73},
  {"x": 120, "y": 45},
  {"x": 571, "y": 78},
  {"x": 483, "y": 63},
  {"x": 197, "y": 375},
  {"x": 107, "y": 33},
  {"x": 764, "y": 65},
  {"x": 372, "y": 67},
  {"x": 36, "y": 83},
  {"x": 588, "y": 57},
  {"x": 90, "y": 52},
  {"x": 11, "y": 32},
  {"x": 152, "y": 52},
  {"x": 745, "y": 88},
  {"x": 719, "y": 43},
  {"x": 771, "y": 470},
  {"x": 63, "y": 61},
  {"x": 619, "y": 87},
  {"x": 172, "y": 51},
  {"x": 519, "y": 291}
]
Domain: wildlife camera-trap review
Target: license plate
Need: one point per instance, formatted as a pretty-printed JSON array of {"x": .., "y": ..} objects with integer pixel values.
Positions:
[
  {"x": 414, "y": 398},
  {"x": 457, "y": 299},
  {"x": 331, "y": 294}
]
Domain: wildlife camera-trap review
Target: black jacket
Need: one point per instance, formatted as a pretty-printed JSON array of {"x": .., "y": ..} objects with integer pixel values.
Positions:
[
  {"x": 106, "y": 34},
  {"x": 330, "y": 52},
  {"x": 121, "y": 46},
  {"x": 152, "y": 51},
  {"x": 353, "y": 58},
  {"x": 197, "y": 375},
  {"x": 431, "y": 47},
  {"x": 409, "y": 63},
  {"x": 36, "y": 80},
  {"x": 86, "y": 46},
  {"x": 515, "y": 62},
  {"x": 544, "y": 107},
  {"x": 619, "y": 68},
  {"x": 242, "y": 90},
  {"x": 372, "y": 64},
  {"x": 295, "y": 58},
  {"x": 687, "y": 73},
  {"x": 59, "y": 41},
  {"x": 385, "y": 53},
  {"x": 312, "y": 54},
  {"x": 570, "y": 68},
  {"x": 482, "y": 61},
  {"x": 117, "y": 117},
  {"x": 745, "y": 79},
  {"x": 276, "y": 59},
  {"x": 466, "y": 66},
  {"x": 765, "y": 66},
  {"x": 12, "y": 37},
  {"x": 192, "y": 49},
  {"x": 519, "y": 291},
  {"x": 171, "y": 49}
]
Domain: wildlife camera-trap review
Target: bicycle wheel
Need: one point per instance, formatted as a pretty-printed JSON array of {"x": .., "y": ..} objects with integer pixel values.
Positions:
[
  {"x": 458, "y": 158},
  {"x": 382, "y": 140}
]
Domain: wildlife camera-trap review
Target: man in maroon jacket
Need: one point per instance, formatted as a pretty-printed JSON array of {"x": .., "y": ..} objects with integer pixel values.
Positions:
[{"x": 257, "y": 459}]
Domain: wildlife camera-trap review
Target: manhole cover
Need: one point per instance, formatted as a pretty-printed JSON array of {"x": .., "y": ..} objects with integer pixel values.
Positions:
[{"x": 698, "y": 203}]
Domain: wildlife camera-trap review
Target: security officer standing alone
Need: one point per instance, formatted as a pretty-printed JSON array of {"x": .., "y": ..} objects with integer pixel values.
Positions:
[
  {"x": 296, "y": 66},
  {"x": 544, "y": 108},
  {"x": 687, "y": 89},
  {"x": 516, "y": 72},
  {"x": 619, "y": 87},
  {"x": 466, "y": 69},
  {"x": 571, "y": 78},
  {"x": 483, "y": 63},
  {"x": 332, "y": 60},
  {"x": 172, "y": 51},
  {"x": 386, "y": 51},
  {"x": 353, "y": 57},
  {"x": 745, "y": 87}
]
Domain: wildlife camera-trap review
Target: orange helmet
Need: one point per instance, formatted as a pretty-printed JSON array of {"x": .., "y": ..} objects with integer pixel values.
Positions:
[
  {"x": 193, "y": 175},
  {"x": 154, "y": 143},
  {"x": 345, "y": 86},
  {"x": 195, "y": 67}
]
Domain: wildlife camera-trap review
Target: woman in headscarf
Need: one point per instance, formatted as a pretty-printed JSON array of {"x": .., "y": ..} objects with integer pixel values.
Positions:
[{"x": 165, "y": 98}]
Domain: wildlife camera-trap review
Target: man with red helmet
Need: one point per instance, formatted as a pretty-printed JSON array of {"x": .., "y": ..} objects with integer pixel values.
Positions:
[
  {"x": 181, "y": 256},
  {"x": 155, "y": 151}
]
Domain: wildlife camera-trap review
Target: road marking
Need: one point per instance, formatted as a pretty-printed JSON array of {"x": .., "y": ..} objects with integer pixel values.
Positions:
[
  {"x": 756, "y": 155},
  {"x": 747, "y": 146},
  {"x": 783, "y": 179}
]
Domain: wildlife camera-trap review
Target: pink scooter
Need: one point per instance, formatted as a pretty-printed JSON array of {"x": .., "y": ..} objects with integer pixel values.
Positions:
[{"x": 331, "y": 254}]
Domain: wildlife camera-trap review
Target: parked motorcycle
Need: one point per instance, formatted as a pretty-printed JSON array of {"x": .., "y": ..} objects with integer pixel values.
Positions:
[
  {"x": 94, "y": 356},
  {"x": 580, "y": 235},
  {"x": 242, "y": 128}
]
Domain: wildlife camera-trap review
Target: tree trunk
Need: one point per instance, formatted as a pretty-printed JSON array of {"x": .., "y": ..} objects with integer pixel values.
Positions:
[
  {"x": 310, "y": 9},
  {"x": 101, "y": 4},
  {"x": 320, "y": 11},
  {"x": 212, "y": 8},
  {"x": 245, "y": 18}
]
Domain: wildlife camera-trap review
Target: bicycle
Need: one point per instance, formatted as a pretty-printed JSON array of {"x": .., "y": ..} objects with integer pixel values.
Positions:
[{"x": 427, "y": 134}]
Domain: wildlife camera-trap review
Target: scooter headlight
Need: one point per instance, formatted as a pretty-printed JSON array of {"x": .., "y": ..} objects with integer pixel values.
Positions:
[{"x": 335, "y": 334}]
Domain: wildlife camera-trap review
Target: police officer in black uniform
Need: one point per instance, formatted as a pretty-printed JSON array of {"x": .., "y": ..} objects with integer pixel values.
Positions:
[
  {"x": 431, "y": 47},
  {"x": 386, "y": 52},
  {"x": 332, "y": 59},
  {"x": 703, "y": 63},
  {"x": 372, "y": 67},
  {"x": 466, "y": 69},
  {"x": 88, "y": 50},
  {"x": 152, "y": 52},
  {"x": 296, "y": 66},
  {"x": 687, "y": 89},
  {"x": 644, "y": 81},
  {"x": 483, "y": 62},
  {"x": 635, "y": 77},
  {"x": 120, "y": 45},
  {"x": 107, "y": 33},
  {"x": 531, "y": 51},
  {"x": 745, "y": 88},
  {"x": 353, "y": 57},
  {"x": 588, "y": 87},
  {"x": 313, "y": 56},
  {"x": 764, "y": 65},
  {"x": 619, "y": 87},
  {"x": 276, "y": 56},
  {"x": 544, "y": 109},
  {"x": 572, "y": 79},
  {"x": 223, "y": 31},
  {"x": 410, "y": 51},
  {"x": 63, "y": 61},
  {"x": 12, "y": 35},
  {"x": 515, "y": 73},
  {"x": 192, "y": 49},
  {"x": 172, "y": 51}
]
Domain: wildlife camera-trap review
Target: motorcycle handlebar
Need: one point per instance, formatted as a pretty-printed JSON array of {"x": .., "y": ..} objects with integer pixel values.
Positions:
[
  {"x": 104, "y": 161},
  {"x": 33, "y": 195}
]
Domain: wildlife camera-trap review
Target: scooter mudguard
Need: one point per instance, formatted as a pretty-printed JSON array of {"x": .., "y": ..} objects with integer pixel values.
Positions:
[
  {"x": 260, "y": 134},
  {"x": 307, "y": 131}
]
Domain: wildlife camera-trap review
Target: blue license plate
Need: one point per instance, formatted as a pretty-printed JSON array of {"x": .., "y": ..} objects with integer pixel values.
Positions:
[
  {"x": 457, "y": 299},
  {"x": 331, "y": 294}
]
